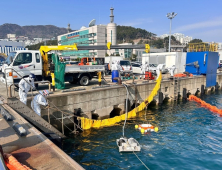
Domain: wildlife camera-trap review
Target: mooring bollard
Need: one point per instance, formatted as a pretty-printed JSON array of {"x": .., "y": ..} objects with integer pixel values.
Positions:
[
  {"x": 184, "y": 93},
  {"x": 119, "y": 80},
  {"x": 160, "y": 97},
  {"x": 53, "y": 81},
  {"x": 99, "y": 78}
]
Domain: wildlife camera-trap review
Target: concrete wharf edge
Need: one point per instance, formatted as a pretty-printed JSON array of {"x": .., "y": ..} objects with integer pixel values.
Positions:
[
  {"x": 34, "y": 150},
  {"x": 102, "y": 101}
]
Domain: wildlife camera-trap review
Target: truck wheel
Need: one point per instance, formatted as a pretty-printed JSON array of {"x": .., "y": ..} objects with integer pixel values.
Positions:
[{"x": 84, "y": 81}]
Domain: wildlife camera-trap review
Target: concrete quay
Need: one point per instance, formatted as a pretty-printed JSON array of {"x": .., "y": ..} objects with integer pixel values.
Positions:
[
  {"x": 102, "y": 101},
  {"x": 35, "y": 147},
  {"x": 34, "y": 150}
]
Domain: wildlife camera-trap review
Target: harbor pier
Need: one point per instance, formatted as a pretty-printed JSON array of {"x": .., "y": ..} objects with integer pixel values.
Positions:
[{"x": 102, "y": 101}]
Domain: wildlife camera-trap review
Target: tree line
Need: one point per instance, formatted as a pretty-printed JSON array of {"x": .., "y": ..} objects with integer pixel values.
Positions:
[{"x": 128, "y": 33}]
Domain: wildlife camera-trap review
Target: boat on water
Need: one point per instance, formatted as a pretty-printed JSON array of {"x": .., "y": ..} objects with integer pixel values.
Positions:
[{"x": 128, "y": 145}]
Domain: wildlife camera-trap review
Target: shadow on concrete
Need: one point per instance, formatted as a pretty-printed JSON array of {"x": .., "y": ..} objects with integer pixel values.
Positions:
[{"x": 22, "y": 157}]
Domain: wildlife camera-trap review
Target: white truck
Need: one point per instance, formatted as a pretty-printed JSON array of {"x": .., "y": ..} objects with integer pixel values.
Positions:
[{"x": 25, "y": 62}]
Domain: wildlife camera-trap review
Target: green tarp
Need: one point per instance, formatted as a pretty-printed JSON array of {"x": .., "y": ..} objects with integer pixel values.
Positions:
[{"x": 59, "y": 72}]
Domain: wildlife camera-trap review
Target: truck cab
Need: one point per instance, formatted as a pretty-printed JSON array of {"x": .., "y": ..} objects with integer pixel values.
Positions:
[{"x": 23, "y": 63}]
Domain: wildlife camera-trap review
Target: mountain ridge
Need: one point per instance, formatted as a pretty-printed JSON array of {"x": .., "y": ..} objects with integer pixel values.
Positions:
[
  {"x": 31, "y": 31},
  {"x": 49, "y": 31}
]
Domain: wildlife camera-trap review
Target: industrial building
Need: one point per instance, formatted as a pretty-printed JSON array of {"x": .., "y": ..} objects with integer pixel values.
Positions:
[
  {"x": 7, "y": 46},
  {"x": 91, "y": 35}
]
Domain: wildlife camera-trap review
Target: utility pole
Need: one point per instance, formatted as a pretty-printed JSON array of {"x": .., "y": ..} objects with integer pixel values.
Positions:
[{"x": 170, "y": 16}]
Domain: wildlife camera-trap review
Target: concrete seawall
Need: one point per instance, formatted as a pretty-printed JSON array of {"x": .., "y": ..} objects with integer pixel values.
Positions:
[{"x": 102, "y": 101}]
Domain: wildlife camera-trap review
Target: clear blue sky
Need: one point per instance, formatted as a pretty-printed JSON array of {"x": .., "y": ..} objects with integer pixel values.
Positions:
[{"x": 197, "y": 18}]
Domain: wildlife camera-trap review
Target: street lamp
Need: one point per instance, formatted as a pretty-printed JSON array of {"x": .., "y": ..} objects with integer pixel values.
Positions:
[{"x": 170, "y": 16}]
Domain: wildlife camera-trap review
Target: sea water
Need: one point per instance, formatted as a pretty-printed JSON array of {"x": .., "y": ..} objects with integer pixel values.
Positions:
[{"x": 189, "y": 137}]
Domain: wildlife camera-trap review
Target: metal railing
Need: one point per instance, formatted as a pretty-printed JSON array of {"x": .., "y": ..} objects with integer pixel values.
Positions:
[
  {"x": 64, "y": 115},
  {"x": 9, "y": 89},
  {"x": 203, "y": 46}
]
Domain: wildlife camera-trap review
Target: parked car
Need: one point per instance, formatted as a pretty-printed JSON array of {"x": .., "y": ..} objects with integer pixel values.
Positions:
[
  {"x": 136, "y": 68},
  {"x": 126, "y": 67},
  {"x": 136, "y": 62},
  {"x": 153, "y": 67}
]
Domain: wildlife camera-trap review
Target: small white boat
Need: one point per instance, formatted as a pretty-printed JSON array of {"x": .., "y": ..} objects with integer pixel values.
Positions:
[
  {"x": 124, "y": 144},
  {"x": 128, "y": 145}
]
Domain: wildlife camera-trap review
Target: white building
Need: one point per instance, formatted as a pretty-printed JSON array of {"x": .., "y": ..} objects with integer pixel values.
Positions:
[
  {"x": 163, "y": 36},
  {"x": 92, "y": 35},
  {"x": 38, "y": 40},
  {"x": 179, "y": 37},
  {"x": 219, "y": 46},
  {"x": 186, "y": 40},
  {"x": 11, "y": 36}
]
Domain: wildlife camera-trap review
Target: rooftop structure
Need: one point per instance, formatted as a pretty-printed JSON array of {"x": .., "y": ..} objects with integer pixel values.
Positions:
[{"x": 91, "y": 35}]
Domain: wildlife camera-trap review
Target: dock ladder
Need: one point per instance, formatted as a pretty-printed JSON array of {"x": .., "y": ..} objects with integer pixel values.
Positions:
[{"x": 176, "y": 87}]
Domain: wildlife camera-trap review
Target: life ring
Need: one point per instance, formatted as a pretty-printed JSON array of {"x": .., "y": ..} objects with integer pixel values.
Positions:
[{"x": 146, "y": 127}]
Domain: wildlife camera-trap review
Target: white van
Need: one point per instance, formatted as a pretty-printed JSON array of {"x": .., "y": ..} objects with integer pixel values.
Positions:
[{"x": 126, "y": 67}]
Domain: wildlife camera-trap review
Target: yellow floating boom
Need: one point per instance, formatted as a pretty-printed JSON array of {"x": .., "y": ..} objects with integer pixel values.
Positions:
[{"x": 90, "y": 123}]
